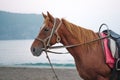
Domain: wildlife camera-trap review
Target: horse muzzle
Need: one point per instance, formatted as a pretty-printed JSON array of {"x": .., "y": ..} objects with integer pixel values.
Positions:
[{"x": 36, "y": 51}]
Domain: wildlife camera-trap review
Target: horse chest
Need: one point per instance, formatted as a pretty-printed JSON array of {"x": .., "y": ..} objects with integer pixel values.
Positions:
[
  {"x": 87, "y": 74},
  {"x": 86, "y": 70}
]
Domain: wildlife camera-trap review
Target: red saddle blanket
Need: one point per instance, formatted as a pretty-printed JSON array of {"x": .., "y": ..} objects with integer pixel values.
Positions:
[{"x": 110, "y": 60}]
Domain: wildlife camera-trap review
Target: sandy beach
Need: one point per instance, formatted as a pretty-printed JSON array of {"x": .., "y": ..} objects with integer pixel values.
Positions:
[{"x": 20, "y": 73}]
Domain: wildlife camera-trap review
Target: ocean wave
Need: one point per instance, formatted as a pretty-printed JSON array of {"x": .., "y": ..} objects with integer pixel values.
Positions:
[{"x": 48, "y": 65}]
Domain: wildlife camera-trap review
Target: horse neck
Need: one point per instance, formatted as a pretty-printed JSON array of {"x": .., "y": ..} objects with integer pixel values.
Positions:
[{"x": 67, "y": 38}]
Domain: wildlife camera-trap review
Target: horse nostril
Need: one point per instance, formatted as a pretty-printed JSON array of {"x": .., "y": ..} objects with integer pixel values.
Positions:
[
  {"x": 33, "y": 49},
  {"x": 36, "y": 51}
]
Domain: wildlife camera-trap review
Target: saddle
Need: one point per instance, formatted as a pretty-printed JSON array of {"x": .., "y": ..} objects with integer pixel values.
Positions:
[{"x": 114, "y": 47}]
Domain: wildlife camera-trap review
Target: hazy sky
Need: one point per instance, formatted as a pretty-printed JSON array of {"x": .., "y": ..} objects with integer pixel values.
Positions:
[{"x": 87, "y": 13}]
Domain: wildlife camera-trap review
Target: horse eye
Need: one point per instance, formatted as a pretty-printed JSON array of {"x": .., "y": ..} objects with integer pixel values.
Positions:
[{"x": 46, "y": 29}]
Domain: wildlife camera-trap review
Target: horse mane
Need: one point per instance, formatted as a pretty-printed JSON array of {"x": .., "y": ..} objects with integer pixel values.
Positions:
[{"x": 84, "y": 35}]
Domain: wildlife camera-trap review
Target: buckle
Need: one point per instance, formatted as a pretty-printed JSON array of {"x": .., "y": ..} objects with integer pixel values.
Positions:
[{"x": 118, "y": 64}]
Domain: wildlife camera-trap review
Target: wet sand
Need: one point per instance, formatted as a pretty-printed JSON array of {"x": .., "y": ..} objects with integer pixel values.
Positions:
[{"x": 20, "y": 73}]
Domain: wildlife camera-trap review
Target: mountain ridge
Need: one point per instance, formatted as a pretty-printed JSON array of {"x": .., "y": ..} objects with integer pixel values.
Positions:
[{"x": 19, "y": 26}]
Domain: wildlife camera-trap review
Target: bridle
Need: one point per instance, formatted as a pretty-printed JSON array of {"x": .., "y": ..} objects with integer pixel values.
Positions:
[
  {"x": 58, "y": 39},
  {"x": 48, "y": 39}
]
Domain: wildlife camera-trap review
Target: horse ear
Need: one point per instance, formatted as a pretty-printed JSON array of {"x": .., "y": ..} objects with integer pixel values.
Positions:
[
  {"x": 50, "y": 17},
  {"x": 44, "y": 15},
  {"x": 63, "y": 20}
]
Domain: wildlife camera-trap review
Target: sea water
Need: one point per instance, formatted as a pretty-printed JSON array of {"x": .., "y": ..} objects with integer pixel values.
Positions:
[{"x": 16, "y": 53}]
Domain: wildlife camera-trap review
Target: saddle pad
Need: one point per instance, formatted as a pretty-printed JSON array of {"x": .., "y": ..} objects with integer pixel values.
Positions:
[
  {"x": 110, "y": 60},
  {"x": 113, "y": 48}
]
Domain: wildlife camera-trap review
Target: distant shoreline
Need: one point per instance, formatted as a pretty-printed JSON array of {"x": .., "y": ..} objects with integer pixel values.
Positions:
[{"x": 37, "y": 66}]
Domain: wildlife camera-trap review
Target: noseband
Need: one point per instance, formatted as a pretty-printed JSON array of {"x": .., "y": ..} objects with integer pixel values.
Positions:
[{"x": 48, "y": 39}]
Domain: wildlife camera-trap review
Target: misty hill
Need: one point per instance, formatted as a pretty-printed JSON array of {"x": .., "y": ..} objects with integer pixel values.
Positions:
[{"x": 19, "y": 26}]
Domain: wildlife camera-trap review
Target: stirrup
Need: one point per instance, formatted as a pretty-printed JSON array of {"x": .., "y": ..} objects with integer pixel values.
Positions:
[{"x": 118, "y": 64}]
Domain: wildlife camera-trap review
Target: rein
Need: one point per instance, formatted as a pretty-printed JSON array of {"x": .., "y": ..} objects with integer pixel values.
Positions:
[{"x": 75, "y": 45}]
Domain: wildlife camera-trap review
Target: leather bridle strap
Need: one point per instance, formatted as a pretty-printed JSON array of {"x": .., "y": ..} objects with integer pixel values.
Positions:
[{"x": 52, "y": 32}]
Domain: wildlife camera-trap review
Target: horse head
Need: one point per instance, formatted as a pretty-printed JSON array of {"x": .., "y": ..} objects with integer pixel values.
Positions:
[{"x": 47, "y": 36}]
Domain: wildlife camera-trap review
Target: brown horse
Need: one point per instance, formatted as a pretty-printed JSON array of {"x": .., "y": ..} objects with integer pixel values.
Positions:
[{"x": 89, "y": 58}]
